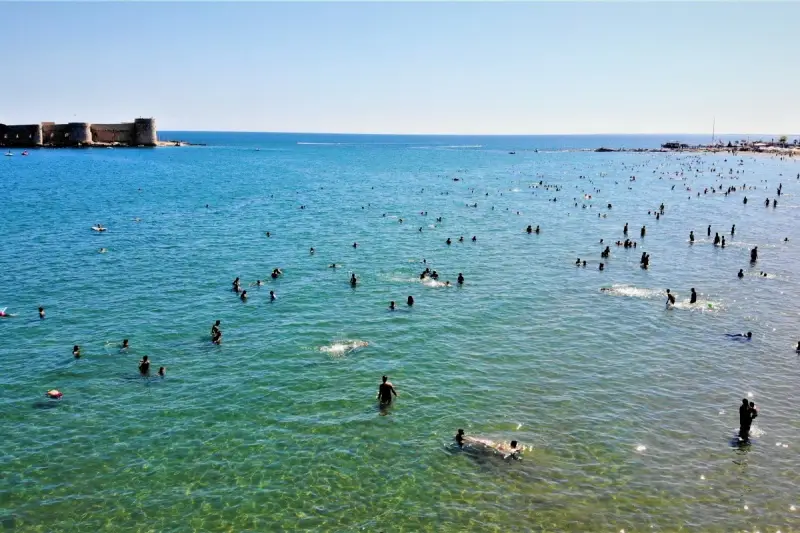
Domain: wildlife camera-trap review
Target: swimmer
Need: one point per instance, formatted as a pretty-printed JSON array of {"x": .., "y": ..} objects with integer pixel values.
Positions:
[
  {"x": 513, "y": 451},
  {"x": 537, "y": 230},
  {"x": 355, "y": 245},
  {"x": 602, "y": 266},
  {"x": 268, "y": 233},
  {"x": 311, "y": 250},
  {"x": 460, "y": 278},
  {"x": 353, "y": 280},
  {"x": 748, "y": 335},
  {"x": 693, "y": 297},
  {"x": 670, "y": 299},
  {"x": 392, "y": 306},
  {"x": 578, "y": 262},
  {"x": 410, "y": 301},
  {"x": 125, "y": 344},
  {"x": 144, "y": 366},
  {"x": 529, "y": 229},
  {"x": 723, "y": 242},
  {"x": 332, "y": 265},
  {"x": 798, "y": 347},
  {"x": 474, "y": 238},
  {"x": 448, "y": 241},
  {"x": 385, "y": 391},
  {"x": 716, "y": 239},
  {"x": 272, "y": 296},
  {"x": 41, "y": 312},
  {"x": 102, "y": 250},
  {"x": 754, "y": 255},
  {"x": 235, "y": 285},
  {"x": 259, "y": 283},
  {"x": 461, "y": 239},
  {"x": 644, "y": 230},
  {"x": 243, "y": 297},
  {"x": 740, "y": 275},
  {"x": 162, "y": 371},
  {"x": 215, "y": 328},
  {"x": 76, "y": 351},
  {"x": 459, "y": 438}
]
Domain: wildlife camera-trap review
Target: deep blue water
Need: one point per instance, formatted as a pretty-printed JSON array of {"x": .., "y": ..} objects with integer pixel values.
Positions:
[{"x": 627, "y": 409}]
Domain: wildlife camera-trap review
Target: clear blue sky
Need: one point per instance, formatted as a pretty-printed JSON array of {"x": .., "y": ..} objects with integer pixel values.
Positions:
[{"x": 406, "y": 68}]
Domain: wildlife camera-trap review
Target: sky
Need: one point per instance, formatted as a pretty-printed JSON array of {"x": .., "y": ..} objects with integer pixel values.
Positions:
[{"x": 455, "y": 68}]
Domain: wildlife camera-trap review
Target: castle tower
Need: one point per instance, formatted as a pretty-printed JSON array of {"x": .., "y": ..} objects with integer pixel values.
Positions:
[
  {"x": 144, "y": 132},
  {"x": 80, "y": 133},
  {"x": 38, "y": 137}
]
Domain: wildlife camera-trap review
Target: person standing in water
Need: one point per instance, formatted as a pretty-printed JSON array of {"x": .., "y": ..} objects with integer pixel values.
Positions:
[
  {"x": 385, "y": 391},
  {"x": 41, "y": 312},
  {"x": 144, "y": 366},
  {"x": 76, "y": 351},
  {"x": 740, "y": 275},
  {"x": 745, "y": 420},
  {"x": 733, "y": 230},
  {"x": 670, "y": 299},
  {"x": 460, "y": 278},
  {"x": 410, "y": 301},
  {"x": 754, "y": 255},
  {"x": 709, "y": 230},
  {"x": 691, "y": 236},
  {"x": 693, "y": 297},
  {"x": 459, "y": 438}
]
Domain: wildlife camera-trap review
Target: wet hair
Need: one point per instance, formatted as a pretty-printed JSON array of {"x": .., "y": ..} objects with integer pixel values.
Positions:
[
  {"x": 744, "y": 401},
  {"x": 513, "y": 444},
  {"x": 384, "y": 378},
  {"x": 460, "y": 431},
  {"x": 749, "y": 334}
]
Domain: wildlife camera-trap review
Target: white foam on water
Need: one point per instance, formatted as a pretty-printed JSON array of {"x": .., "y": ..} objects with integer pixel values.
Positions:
[
  {"x": 338, "y": 348},
  {"x": 641, "y": 448},
  {"x": 634, "y": 292}
]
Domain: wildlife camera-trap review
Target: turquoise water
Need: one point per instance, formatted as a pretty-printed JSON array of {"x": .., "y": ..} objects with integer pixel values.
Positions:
[{"x": 629, "y": 408}]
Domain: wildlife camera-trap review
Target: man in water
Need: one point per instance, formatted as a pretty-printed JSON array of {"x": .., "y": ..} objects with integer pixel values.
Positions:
[
  {"x": 670, "y": 299},
  {"x": 392, "y": 306},
  {"x": 215, "y": 328},
  {"x": 410, "y": 301},
  {"x": 459, "y": 438},
  {"x": 745, "y": 420},
  {"x": 385, "y": 391},
  {"x": 693, "y": 297},
  {"x": 740, "y": 275},
  {"x": 76, "y": 351},
  {"x": 41, "y": 312},
  {"x": 748, "y": 335},
  {"x": 691, "y": 236},
  {"x": 353, "y": 280},
  {"x": 460, "y": 278},
  {"x": 144, "y": 366},
  {"x": 754, "y": 255}
]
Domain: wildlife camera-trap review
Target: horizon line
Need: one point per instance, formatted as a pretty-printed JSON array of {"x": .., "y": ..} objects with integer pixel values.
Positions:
[{"x": 471, "y": 134}]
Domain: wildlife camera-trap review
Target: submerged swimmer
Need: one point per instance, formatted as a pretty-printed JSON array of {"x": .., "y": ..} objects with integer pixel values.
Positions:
[
  {"x": 76, "y": 351},
  {"x": 392, "y": 306},
  {"x": 144, "y": 366},
  {"x": 41, "y": 312},
  {"x": 748, "y": 335},
  {"x": 740, "y": 275}
]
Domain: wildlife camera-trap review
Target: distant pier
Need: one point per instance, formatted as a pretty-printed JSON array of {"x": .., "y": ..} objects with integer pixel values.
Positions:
[{"x": 140, "y": 132}]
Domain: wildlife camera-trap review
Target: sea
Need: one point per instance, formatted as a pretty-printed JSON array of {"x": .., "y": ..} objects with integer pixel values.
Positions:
[{"x": 627, "y": 409}]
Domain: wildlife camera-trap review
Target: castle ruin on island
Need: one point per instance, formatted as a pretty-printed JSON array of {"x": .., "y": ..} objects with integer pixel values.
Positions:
[{"x": 140, "y": 132}]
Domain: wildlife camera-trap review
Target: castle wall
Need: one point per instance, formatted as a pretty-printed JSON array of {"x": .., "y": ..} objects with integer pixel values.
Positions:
[
  {"x": 113, "y": 133},
  {"x": 26, "y": 135},
  {"x": 141, "y": 132}
]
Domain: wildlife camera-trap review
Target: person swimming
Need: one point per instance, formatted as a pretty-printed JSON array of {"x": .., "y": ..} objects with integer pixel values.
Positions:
[
  {"x": 311, "y": 250},
  {"x": 144, "y": 366},
  {"x": 460, "y": 278},
  {"x": 448, "y": 241},
  {"x": 332, "y": 265},
  {"x": 748, "y": 335},
  {"x": 235, "y": 284},
  {"x": 392, "y": 306},
  {"x": 41, "y": 312},
  {"x": 125, "y": 345},
  {"x": 272, "y": 296},
  {"x": 693, "y": 297},
  {"x": 754, "y": 255},
  {"x": 459, "y": 438},
  {"x": 243, "y": 297},
  {"x": 474, "y": 238},
  {"x": 410, "y": 301},
  {"x": 529, "y": 229},
  {"x": 353, "y": 280},
  {"x": 259, "y": 283},
  {"x": 740, "y": 275},
  {"x": 76, "y": 351},
  {"x": 162, "y": 371}
]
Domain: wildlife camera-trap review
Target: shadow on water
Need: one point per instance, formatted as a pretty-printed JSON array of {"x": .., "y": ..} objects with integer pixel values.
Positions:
[{"x": 46, "y": 404}]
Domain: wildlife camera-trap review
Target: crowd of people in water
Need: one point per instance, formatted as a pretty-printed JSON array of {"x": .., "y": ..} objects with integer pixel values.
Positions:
[{"x": 386, "y": 390}]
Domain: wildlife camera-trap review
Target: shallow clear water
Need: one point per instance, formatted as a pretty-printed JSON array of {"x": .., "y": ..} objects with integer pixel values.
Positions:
[{"x": 629, "y": 408}]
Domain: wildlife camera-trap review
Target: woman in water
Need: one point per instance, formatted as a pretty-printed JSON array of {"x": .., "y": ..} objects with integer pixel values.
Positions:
[{"x": 76, "y": 351}]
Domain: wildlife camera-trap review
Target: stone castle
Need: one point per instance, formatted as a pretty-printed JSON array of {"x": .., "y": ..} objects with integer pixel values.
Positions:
[{"x": 140, "y": 132}]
